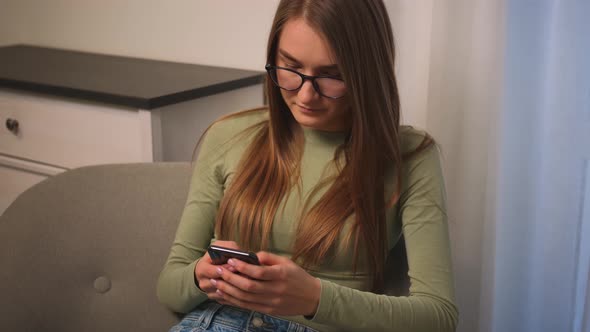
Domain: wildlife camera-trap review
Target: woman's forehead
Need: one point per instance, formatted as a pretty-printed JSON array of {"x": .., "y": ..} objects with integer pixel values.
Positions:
[{"x": 299, "y": 41}]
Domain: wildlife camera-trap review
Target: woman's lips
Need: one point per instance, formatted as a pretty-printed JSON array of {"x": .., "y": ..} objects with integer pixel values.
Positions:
[{"x": 307, "y": 110}]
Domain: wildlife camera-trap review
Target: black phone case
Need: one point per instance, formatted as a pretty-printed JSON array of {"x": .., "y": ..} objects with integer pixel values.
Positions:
[{"x": 220, "y": 255}]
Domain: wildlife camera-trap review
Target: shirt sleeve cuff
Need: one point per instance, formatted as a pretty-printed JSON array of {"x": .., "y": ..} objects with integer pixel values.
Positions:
[{"x": 325, "y": 305}]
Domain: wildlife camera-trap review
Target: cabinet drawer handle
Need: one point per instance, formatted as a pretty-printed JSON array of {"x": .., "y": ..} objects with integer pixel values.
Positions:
[{"x": 12, "y": 125}]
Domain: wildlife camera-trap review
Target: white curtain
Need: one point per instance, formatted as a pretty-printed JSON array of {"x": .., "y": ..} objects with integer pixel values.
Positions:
[
  {"x": 450, "y": 69},
  {"x": 504, "y": 86},
  {"x": 547, "y": 95}
]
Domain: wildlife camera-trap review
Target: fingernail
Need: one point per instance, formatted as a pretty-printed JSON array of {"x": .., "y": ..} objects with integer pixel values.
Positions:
[
  {"x": 213, "y": 281},
  {"x": 231, "y": 262},
  {"x": 219, "y": 292},
  {"x": 219, "y": 270}
]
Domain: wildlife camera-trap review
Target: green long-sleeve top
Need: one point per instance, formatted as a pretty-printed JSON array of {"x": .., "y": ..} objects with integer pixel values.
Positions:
[{"x": 346, "y": 303}]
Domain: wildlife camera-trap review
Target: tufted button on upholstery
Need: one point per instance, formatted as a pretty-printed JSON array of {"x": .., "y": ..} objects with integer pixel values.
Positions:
[{"x": 102, "y": 284}]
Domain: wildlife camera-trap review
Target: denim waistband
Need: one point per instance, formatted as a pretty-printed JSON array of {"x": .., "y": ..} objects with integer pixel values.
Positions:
[{"x": 212, "y": 316}]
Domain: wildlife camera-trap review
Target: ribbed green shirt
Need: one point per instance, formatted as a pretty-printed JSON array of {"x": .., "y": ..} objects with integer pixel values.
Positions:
[{"x": 346, "y": 304}]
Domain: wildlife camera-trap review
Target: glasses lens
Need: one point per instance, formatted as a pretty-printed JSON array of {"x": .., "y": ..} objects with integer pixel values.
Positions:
[
  {"x": 291, "y": 80},
  {"x": 285, "y": 79},
  {"x": 331, "y": 87}
]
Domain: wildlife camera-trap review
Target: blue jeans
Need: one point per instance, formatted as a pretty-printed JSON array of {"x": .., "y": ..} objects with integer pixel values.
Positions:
[{"x": 212, "y": 316}]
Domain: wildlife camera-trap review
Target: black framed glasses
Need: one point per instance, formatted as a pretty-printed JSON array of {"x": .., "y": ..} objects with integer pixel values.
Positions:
[{"x": 291, "y": 80}]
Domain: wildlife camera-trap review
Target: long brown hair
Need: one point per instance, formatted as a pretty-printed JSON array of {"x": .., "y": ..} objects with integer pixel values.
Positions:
[{"x": 360, "y": 35}]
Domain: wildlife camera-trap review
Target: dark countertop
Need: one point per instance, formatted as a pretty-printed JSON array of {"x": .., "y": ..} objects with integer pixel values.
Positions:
[{"x": 138, "y": 83}]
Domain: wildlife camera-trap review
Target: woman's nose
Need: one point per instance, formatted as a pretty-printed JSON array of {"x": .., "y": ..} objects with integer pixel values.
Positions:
[{"x": 307, "y": 92}]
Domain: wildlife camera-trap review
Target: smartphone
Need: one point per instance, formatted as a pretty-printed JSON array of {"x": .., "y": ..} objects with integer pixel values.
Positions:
[{"x": 220, "y": 255}]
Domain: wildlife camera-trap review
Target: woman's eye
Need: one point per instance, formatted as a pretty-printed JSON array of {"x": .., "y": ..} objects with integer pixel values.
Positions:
[{"x": 333, "y": 75}]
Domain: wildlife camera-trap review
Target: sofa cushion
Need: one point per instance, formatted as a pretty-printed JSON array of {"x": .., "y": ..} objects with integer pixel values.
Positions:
[{"x": 82, "y": 251}]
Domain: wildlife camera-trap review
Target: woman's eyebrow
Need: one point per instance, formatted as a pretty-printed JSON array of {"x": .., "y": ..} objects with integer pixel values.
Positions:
[{"x": 289, "y": 57}]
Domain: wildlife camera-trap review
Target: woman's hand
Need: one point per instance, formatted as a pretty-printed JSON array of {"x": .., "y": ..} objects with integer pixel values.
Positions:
[
  {"x": 277, "y": 287},
  {"x": 205, "y": 271}
]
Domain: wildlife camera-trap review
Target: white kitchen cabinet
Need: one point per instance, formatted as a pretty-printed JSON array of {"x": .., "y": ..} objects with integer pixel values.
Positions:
[
  {"x": 77, "y": 109},
  {"x": 56, "y": 134},
  {"x": 73, "y": 133}
]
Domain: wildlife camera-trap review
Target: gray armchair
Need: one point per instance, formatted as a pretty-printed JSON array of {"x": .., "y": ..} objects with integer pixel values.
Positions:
[{"x": 82, "y": 251}]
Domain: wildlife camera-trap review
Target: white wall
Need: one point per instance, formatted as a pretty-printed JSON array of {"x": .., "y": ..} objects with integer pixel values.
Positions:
[
  {"x": 412, "y": 25},
  {"x": 213, "y": 32}
]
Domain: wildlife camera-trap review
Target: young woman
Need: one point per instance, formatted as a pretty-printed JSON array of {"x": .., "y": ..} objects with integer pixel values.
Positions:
[{"x": 321, "y": 184}]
